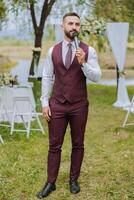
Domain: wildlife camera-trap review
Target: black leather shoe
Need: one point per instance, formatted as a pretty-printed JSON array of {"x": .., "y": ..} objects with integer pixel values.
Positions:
[
  {"x": 74, "y": 187},
  {"x": 46, "y": 190}
]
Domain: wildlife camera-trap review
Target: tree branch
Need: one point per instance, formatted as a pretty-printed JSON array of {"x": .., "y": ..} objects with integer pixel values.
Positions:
[
  {"x": 32, "y": 11},
  {"x": 47, "y": 6}
]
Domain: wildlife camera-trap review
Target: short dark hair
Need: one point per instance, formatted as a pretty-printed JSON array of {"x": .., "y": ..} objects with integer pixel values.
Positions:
[{"x": 71, "y": 14}]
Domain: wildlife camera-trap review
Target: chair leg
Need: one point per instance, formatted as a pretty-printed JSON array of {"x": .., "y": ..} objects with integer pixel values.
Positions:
[
  {"x": 39, "y": 123},
  {"x": 12, "y": 124},
  {"x": 28, "y": 128},
  {"x": 126, "y": 118}
]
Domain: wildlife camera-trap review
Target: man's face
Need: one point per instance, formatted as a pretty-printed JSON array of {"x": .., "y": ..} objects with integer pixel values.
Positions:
[{"x": 71, "y": 24}]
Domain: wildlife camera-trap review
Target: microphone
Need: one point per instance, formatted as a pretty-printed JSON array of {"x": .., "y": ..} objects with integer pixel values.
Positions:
[{"x": 75, "y": 35}]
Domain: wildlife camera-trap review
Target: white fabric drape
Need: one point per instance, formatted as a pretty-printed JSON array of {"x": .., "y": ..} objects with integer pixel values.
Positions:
[
  {"x": 58, "y": 33},
  {"x": 118, "y": 35}
]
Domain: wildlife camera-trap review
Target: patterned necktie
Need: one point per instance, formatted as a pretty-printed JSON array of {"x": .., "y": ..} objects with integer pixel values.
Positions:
[{"x": 68, "y": 56}]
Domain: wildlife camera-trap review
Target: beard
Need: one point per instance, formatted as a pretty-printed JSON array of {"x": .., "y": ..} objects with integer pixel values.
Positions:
[{"x": 70, "y": 34}]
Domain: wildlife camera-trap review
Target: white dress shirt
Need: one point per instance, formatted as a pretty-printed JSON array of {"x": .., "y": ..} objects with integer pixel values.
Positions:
[{"x": 91, "y": 69}]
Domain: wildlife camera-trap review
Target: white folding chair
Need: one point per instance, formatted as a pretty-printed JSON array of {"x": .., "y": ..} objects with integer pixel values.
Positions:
[
  {"x": 129, "y": 109},
  {"x": 24, "y": 112}
]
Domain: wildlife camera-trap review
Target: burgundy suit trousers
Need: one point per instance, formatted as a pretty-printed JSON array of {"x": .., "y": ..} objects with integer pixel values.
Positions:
[{"x": 63, "y": 114}]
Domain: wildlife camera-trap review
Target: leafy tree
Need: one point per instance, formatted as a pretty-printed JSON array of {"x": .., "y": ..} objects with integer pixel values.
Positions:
[
  {"x": 130, "y": 7},
  {"x": 2, "y": 10},
  {"x": 115, "y": 10},
  {"x": 93, "y": 30},
  {"x": 38, "y": 27},
  {"x": 89, "y": 3}
]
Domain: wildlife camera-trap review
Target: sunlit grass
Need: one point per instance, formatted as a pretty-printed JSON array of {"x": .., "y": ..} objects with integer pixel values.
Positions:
[{"x": 107, "y": 170}]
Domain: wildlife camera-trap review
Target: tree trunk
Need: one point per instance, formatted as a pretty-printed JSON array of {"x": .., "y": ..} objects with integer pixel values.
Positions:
[
  {"x": 35, "y": 61},
  {"x": 47, "y": 6},
  {"x": 36, "y": 54}
]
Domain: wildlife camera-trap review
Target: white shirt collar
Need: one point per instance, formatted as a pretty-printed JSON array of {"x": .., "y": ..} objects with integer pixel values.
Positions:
[{"x": 65, "y": 43}]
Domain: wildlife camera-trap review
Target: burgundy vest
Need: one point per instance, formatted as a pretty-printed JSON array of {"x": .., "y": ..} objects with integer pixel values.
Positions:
[{"x": 69, "y": 84}]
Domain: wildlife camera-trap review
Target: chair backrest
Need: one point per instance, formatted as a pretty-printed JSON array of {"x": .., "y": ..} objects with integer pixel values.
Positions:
[{"x": 22, "y": 105}]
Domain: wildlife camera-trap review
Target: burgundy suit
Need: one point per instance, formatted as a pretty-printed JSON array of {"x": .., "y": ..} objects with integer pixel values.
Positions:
[{"x": 68, "y": 104}]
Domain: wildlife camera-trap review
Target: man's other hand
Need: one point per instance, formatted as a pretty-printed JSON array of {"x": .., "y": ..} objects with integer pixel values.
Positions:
[{"x": 46, "y": 113}]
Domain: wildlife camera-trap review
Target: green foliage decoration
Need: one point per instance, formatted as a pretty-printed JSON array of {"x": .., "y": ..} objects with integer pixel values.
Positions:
[{"x": 94, "y": 29}]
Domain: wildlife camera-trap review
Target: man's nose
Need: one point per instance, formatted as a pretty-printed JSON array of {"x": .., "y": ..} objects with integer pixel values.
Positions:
[{"x": 74, "y": 27}]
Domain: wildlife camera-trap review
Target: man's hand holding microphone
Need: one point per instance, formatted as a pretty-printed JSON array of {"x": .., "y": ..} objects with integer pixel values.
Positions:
[{"x": 80, "y": 54}]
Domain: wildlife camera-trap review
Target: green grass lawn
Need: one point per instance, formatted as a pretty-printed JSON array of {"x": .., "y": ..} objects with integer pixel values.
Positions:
[{"x": 108, "y": 166}]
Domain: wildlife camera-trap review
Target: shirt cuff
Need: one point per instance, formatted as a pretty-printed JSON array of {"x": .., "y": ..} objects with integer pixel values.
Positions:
[
  {"x": 45, "y": 103},
  {"x": 85, "y": 68}
]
